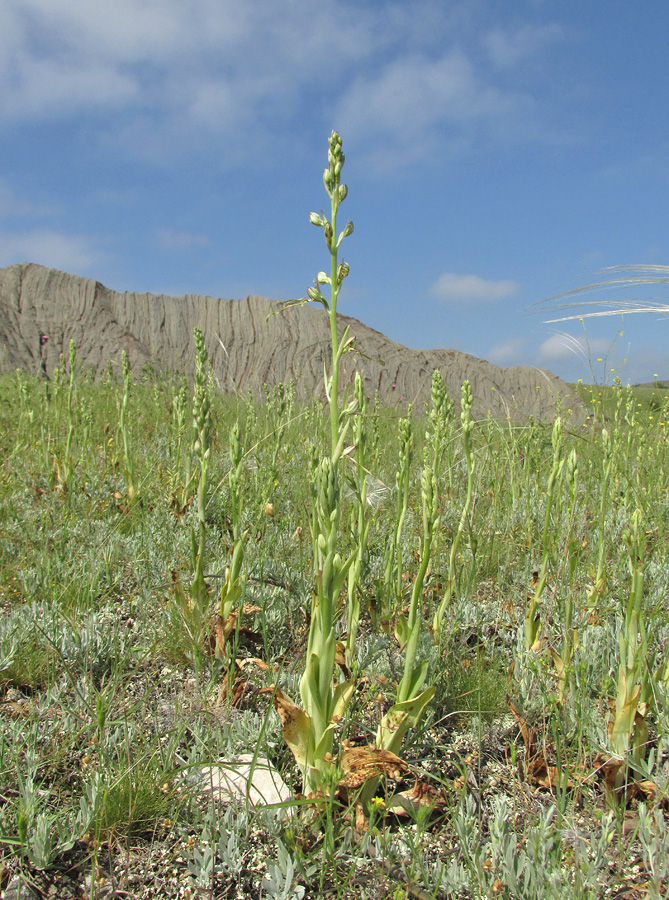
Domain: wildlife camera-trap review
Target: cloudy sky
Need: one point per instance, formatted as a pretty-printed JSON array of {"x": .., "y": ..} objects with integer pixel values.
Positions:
[{"x": 497, "y": 153}]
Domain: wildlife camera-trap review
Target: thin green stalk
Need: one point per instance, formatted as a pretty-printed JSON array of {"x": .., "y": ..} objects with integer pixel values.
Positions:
[
  {"x": 635, "y": 688},
  {"x": 598, "y": 584},
  {"x": 129, "y": 471},
  {"x": 533, "y": 616},
  {"x": 467, "y": 430},
  {"x": 360, "y": 521},
  {"x": 390, "y": 588}
]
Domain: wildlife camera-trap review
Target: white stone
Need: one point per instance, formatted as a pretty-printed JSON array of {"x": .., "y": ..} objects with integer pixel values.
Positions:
[{"x": 229, "y": 781}]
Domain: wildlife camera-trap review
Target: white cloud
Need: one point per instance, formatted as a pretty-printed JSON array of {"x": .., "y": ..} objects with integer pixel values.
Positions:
[
  {"x": 453, "y": 288},
  {"x": 165, "y": 76},
  {"x": 51, "y": 88},
  {"x": 12, "y": 205},
  {"x": 57, "y": 56},
  {"x": 412, "y": 100},
  {"x": 508, "y": 353},
  {"x": 68, "y": 252},
  {"x": 180, "y": 240},
  {"x": 509, "y": 47}
]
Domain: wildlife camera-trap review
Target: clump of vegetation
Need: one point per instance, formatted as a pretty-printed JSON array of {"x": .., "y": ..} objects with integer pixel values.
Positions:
[{"x": 462, "y": 625}]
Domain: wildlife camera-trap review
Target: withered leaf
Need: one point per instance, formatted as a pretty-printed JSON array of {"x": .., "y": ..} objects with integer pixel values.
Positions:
[
  {"x": 359, "y": 764},
  {"x": 296, "y": 726}
]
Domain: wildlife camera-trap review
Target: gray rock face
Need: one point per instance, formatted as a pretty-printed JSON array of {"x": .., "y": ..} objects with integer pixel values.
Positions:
[{"x": 247, "y": 349}]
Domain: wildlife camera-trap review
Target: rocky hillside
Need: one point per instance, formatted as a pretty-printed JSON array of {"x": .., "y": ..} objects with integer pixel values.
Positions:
[{"x": 247, "y": 349}]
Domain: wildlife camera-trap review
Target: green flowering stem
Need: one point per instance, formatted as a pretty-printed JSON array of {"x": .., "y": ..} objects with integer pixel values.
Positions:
[
  {"x": 179, "y": 418},
  {"x": 635, "y": 688},
  {"x": 564, "y": 661},
  {"x": 598, "y": 585},
  {"x": 234, "y": 586},
  {"x": 413, "y": 678},
  {"x": 360, "y": 521},
  {"x": 467, "y": 430},
  {"x": 68, "y": 468},
  {"x": 533, "y": 616},
  {"x": 440, "y": 416},
  {"x": 323, "y": 702},
  {"x": 411, "y": 698},
  {"x": 201, "y": 447},
  {"x": 129, "y": 471},
  {"x": 234, "y": 583},
  {"x": 338, "y": 271},
  {"x": 389, "y": 589}
]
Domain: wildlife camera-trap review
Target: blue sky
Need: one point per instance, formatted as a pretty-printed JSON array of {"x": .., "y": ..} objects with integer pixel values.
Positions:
[{"x": 497, "y": 153}]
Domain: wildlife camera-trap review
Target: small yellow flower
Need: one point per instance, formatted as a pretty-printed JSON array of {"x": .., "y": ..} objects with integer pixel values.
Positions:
[{"x": 599, "y": 359}]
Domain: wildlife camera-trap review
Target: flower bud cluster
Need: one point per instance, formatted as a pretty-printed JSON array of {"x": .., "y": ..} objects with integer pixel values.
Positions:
[
  {"x": 466, "y": 409},
  {"x": 439, "y": 394},
  {"x": 406, "y": 442},
  {"x": 327, "y": 488},
  {"x": 361, "y": 408},
  {"x": 235, "y": 445},
  {"x": 337, "y": 193},
  {"x": 201, "y": 400},
  {"x": 429, "y": 495}
]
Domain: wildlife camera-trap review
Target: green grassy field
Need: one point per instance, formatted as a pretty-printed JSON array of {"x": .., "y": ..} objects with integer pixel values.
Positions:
[
  {"x": 650, "y": 398},
  {"x": 129, "y": 662}
]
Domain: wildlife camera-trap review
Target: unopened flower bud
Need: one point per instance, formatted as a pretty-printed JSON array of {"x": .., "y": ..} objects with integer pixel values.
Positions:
[
  {"x": 313, "y": 293},
  {"x": 327, "y": 228},
  {"x": 315, "y": 219},
  {"x": 342, "y": 191},
  {"x": 337, "y": 168},
  {"x": 349, "y": 228},
  {"x": 342, "y": 270},
  {"x": 327, "y": 177}
]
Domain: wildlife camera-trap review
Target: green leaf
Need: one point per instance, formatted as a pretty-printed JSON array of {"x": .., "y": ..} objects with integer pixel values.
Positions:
[
  {"x": 400, "y": 718},
  {"x": 341, "y": 697},
  {"x": 401, "y": 630}
]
